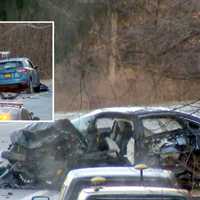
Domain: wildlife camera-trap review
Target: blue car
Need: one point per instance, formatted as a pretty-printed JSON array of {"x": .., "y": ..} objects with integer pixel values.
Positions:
[{"x": 18, "y": 74}]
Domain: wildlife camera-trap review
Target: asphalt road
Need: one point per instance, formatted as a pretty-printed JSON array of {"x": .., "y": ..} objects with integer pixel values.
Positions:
[{"x": 6, "y": 130}]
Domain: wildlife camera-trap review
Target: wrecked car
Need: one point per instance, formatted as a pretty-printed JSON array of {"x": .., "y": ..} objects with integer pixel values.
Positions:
[
  {"x": 43, "y": 153},
  {"x": 158, "y": 137},
  {"x": 19, "y": 74}
]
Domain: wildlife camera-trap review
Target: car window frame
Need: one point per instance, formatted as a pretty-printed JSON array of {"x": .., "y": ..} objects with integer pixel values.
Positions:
[
  {"x": 28, "y": 63},
  {"x": 31, "y": 64},
  {"x": 186, "y": 122}
]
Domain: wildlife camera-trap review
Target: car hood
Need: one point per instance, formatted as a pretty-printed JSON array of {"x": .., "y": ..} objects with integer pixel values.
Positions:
[{"x": 39, "y": 134}]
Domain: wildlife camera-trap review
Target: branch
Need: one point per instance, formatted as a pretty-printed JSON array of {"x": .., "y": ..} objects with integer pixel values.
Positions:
[{"x": 171, "y": 47}]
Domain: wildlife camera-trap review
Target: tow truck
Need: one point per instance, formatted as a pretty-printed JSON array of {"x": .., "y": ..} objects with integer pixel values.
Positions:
[{"x": 127, "y": 183}]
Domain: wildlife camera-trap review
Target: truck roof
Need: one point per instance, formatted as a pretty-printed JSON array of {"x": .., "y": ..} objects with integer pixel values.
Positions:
[
  {"x": 132, "y": 190},
  {"x": 116, "y": 171}
]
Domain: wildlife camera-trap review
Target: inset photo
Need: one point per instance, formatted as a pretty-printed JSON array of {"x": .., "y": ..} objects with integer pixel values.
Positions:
[{"x": 27, "y": 70}]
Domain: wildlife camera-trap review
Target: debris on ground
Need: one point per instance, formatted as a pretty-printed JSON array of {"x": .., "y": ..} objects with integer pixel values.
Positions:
[{"x": 14, "y": 95}]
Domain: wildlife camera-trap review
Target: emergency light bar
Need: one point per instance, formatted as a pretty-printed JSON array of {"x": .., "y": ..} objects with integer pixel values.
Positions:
[
  {"x": 4, "y": 54},
  {"x": 5, "y": 117},
  {"x": 11, "y": 104}
]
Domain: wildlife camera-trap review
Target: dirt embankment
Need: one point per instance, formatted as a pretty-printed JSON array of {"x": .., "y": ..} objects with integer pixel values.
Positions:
[
  {"x": 29, "y": 40},
  {"x": 130, "y": 87},
  {"x": 131, "y": 57},
  {"x": 129, "y": 60}
]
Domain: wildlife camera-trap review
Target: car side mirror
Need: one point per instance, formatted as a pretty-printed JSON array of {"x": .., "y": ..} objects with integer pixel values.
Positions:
[{"x": 40, "y": 198}]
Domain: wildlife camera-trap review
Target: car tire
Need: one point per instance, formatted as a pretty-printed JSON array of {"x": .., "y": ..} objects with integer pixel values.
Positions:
[
  {"x": 36, "y": 118},
  {"x": 37, "y": 89},
  {"x": 30, "y": 88}
]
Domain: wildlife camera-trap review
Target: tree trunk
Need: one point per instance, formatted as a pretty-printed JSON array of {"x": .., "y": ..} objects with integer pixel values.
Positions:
[{"x": 113, "y": 46}]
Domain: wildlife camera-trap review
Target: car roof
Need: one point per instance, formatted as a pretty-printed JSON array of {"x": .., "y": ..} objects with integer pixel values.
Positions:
[
  {"x": 14, "y": 59},
  {"x": 128, "y": 109},
  {"x": 116, "y": 172},
  {"x": 11, "y": 104},
  {"x": 139, "y": 111},
  {"x": 122, "y": 110},
  {"x": 137, "y": 190}
]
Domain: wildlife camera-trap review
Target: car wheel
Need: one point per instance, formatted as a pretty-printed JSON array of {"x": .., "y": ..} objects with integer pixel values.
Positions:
[
  {"x": 30, "y": 88},
  {"x": 36, "y": 118},
  {"x": 37, "y": 89}
]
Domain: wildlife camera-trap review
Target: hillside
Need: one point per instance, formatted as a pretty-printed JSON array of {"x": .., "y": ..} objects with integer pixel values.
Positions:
[{"x": 111, "y": 53}]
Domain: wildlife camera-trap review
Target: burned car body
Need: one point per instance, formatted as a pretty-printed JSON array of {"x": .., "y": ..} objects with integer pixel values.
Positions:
[
  {"x": 160, "y": 138},
  {"x": 43, "y": 153}
]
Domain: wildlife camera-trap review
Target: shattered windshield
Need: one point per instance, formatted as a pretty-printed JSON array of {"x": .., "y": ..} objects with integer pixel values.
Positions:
[{"x": 158, "y": 125}]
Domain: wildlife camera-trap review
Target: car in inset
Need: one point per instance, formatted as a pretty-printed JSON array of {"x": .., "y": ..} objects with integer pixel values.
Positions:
[
  {"x": 19, "y": 74},
  {"x": 15, "y": 111}
]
